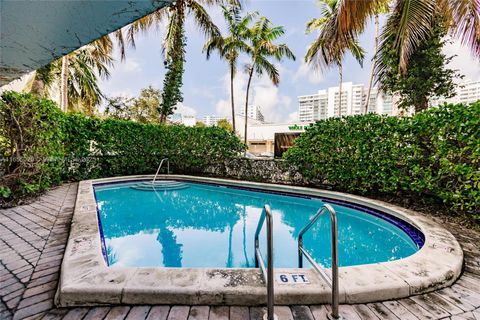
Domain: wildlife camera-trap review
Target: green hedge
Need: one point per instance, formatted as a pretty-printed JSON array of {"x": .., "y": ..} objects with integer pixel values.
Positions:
[
  {"x": 102, "y": 148},
  {"x": 434, "y": 153},
  {"x": 40, "y": 146},
  {"x": 31, "y": 148}
]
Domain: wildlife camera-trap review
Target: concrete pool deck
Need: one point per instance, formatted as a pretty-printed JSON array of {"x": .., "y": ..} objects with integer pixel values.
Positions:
[
  {"x": 87, "y": 280},
  {"x": 33, "y": 240}
]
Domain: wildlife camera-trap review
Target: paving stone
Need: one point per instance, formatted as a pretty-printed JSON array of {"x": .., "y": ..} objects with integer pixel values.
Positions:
[
  {"x": 76, "y": 313},
  {"x": 39, "y": 289},
  {"x": 33, "y": 309}
]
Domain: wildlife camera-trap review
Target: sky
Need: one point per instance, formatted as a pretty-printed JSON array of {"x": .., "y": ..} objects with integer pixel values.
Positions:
[{"x": 206, "y": 82}]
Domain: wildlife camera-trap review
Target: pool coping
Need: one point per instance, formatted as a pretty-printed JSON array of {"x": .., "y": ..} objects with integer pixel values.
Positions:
[{"x": 86, "y": 279}]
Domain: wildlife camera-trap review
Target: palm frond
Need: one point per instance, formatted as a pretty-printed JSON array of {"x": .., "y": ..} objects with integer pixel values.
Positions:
[
  {"x": 263, "y": 65},
  {"x": 465, "y": 22},
  {"x": 202, "y": 19}
]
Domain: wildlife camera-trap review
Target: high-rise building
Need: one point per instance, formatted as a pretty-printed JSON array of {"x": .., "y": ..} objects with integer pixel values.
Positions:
[
  {"x": 212, "y": 120},
  {"x": 254, "y": 112},
  {"x": 326, "y": 103},
  {"x": 466, "y": 92}
]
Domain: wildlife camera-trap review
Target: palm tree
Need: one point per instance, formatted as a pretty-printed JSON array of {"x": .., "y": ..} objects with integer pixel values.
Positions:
[
  {"x": 324, "y": 56},
  {"x": 410, "y": 23},
  {"x": 173, "y": 44},
  {"x": 79, "y": 90},
  {"x": 76, "y": 75},
  {"x": 262, "y": 36},
  {"x": 231, "y": 45}
]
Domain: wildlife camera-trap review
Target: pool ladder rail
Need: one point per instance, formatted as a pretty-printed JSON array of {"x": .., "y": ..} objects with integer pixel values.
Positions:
[
  {"x": 268, "y": 272},
  {"x": 160, "y": 185}
]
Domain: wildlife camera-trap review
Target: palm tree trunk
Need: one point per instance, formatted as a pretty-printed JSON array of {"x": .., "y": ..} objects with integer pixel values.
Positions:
[
  {"x": 64, "y": 85},
  {"x": 38, "y": 86},
  {"x": 340, "y": 72},
  {"x": 232, "y": 75},
  {"x": 246, "y": 103},
  {"x": 370, "y": 82}
]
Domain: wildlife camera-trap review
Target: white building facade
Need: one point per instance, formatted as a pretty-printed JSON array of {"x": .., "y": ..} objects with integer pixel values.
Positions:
[
  {"x": 254, "y": 112},
  {"x": 466, "y": 92},
  {"x": 326, "y": 103},
  {"x": 213, "y": 119}
]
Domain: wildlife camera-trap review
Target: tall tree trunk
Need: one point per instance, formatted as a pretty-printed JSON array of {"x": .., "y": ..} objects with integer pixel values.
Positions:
[
  {"x": 340, "y": 72},
  {"x": 246, "y": 103},
  {"x": 38, "y": 86},
  {"x": 374, "y": 60},
  {"x": 64, "y": 85},
  {"x": 232, "y": 75}
]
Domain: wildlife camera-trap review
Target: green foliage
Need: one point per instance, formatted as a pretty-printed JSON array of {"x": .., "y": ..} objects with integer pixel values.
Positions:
[
  {"x": 144, "y": 109},
  {"x": 30, "y": 144},
  {"x": 41, "y": 146},
  {"x": 435, "y": 153},
  {"x": 427, "y": 74},
  {"x": 116, "y": 147},
  {"x": 172, "y": 83},
  {"x": 225, "y": 124}
]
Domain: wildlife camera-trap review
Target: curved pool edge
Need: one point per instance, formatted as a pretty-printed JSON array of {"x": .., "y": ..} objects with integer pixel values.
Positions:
[{"x": 86, "y": 280}]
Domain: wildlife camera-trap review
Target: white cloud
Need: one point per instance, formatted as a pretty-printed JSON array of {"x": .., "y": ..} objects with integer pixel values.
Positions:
[
  {"x": 293, "y": 117},
  {"x": 185, "y": 110},
  {"x": 307, "y": 72},
  {"x": 131, "y": 65},
  {"x": 262, "y": 93},
  {"x": 464, "y": 61}
]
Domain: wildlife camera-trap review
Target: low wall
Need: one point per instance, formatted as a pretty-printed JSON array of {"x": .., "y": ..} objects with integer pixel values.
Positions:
[{"x": 259, "y": 170}]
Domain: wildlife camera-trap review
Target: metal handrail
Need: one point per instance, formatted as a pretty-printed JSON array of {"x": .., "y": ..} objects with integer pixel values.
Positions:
[
  {"x": 160, "y": 166},
  {"x": 267, "y": 273},
  {"x": 332, "y": 280}
]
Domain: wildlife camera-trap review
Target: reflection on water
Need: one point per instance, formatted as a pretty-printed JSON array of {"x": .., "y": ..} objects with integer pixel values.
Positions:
[{"x": 210, "y": 226}]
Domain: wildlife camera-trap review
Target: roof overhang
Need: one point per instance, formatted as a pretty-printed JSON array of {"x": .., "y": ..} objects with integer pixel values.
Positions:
[{"x": 35, "y": 32}]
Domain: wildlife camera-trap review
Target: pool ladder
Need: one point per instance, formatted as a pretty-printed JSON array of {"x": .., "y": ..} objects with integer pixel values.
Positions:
[{"x": 267, "y": 272}]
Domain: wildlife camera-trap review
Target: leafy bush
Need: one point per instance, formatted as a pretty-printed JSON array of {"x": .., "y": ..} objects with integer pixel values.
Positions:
[
  {"x": 41, "y": 146},
  {"x": 30, "y": 145},
  {"x": 100, "y": 148},
  {"x": 434, "y": 153}
]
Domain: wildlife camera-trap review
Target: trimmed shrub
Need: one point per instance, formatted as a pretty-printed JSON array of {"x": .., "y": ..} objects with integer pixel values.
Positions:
[
  {"x": 101, "y": 148},
  {"x": 31, "y": 146},
  {"x": 434, "y": 153},
  {"x": 42, "y": 146}
]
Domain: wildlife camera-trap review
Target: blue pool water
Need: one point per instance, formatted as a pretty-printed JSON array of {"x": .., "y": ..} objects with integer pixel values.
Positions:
[{"x": 213, "y": 226}]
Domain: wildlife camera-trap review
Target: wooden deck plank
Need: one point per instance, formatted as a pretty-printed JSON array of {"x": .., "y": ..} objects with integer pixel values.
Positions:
[
  {"x": 364, "y": 312},
  {"x": 179, "y": 313},
  {"x": 117, "y": 313},
  {"x": 158, "y": 313},
  {"x": 283, "y": 313},
  {"x": 138, "y": 313},
  {"x": 239, "y": 313},
  {"x": 382, "y": 311},
  {"x": 399, "y": 310},
  {"x": 219, "y": 313},
  {"x": 302, "y": 313},
  {"x": 199, "y": 312},
  {"x": 430, "y": 304}
]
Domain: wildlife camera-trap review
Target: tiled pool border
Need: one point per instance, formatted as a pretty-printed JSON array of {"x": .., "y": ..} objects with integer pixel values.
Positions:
[{"x": 87, "y": 280}]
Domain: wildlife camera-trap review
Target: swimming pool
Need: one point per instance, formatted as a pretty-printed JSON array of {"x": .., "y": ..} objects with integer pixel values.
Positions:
[
  {"x": 200, "y": 225},
  {"x": 121, "y": 239}
]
